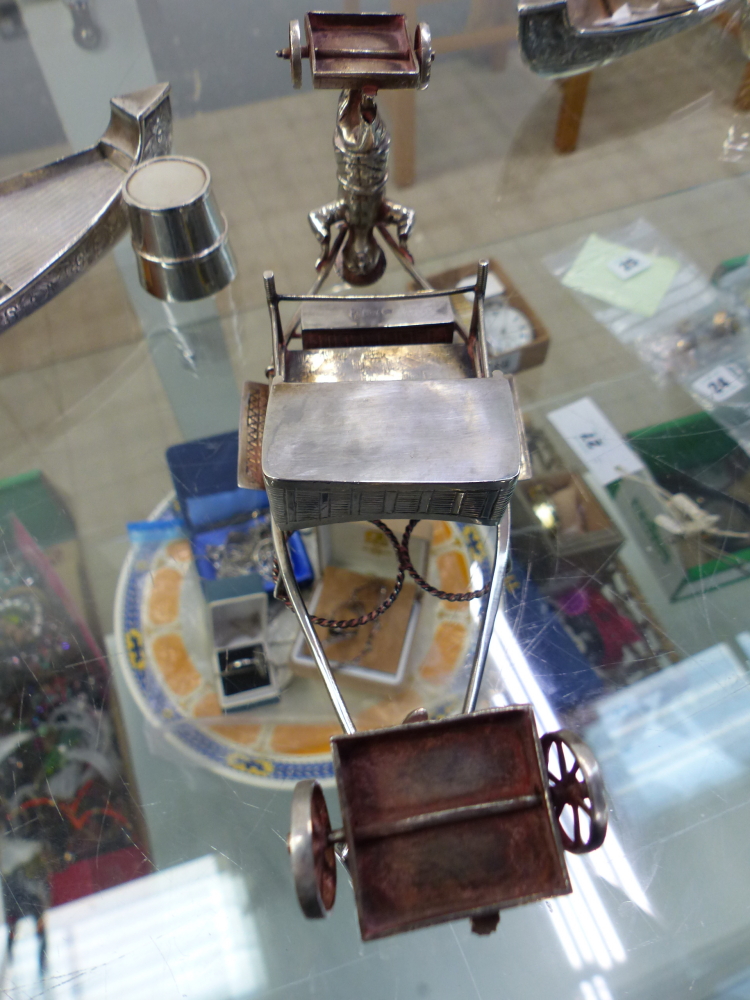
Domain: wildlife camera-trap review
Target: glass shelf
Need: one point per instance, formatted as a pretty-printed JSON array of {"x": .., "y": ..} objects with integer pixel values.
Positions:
[{"x": 97, "y": 385}]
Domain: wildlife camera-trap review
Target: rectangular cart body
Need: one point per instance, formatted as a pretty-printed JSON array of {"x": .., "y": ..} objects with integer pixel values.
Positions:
[{"x": 447, "y": 819}]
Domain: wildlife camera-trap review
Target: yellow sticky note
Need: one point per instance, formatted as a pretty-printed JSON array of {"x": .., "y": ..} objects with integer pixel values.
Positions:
[{"x": 598, "y": 268}]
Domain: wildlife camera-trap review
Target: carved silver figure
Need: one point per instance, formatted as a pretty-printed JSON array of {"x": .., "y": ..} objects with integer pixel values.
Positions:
[
  {"x": 361, "y": 144},
  {"x": 361, "y": 61},
  {"x": 387, "y": 409}
]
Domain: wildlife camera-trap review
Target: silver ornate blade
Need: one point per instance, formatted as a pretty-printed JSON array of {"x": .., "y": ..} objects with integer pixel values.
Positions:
[
  {"x": 566, "y": 37},
  {"x": 58, "y": 220}
]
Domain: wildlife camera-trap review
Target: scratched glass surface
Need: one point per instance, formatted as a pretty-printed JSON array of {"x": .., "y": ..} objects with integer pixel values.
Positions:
[{"x": 143, "y": 855}]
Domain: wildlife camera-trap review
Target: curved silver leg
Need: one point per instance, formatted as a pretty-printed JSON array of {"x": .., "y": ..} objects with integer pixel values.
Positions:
[
  {"x": 488, "y": 623},
  {"x": 290, "y": 585}
]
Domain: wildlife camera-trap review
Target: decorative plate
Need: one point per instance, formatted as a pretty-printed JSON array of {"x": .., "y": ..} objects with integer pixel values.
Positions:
[{"x": 162, "y": 635}]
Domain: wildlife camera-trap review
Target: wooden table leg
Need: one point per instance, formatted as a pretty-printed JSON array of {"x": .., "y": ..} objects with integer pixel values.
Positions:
[
  {"x": 403, "y": 108},
  {"x": 742, "y": 97},
  {"x": 574, "y": 91},
  {"x": 402, "y": 103}
]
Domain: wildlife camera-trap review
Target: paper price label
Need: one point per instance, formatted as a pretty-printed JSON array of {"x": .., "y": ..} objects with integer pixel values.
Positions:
[
  {"x": 627, "y": 265},
  {"x": 590, "y": 441},
  {"x": 596, "y": 442},
  {"x": 721, "y": 383}
]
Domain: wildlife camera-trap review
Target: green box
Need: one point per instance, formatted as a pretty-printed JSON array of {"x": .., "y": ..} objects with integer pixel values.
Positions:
[
  {"x": 38, "y": 506},
  {"x": 687, "y": 445}
]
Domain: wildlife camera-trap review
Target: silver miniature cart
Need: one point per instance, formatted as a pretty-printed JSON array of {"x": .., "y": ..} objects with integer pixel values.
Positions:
[
  {"x": 387, "y": 409},
  {"x": 384, "y": 406}
]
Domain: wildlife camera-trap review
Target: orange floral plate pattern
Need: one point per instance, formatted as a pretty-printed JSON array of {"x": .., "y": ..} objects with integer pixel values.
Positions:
[{"x": 165, "y": 654}]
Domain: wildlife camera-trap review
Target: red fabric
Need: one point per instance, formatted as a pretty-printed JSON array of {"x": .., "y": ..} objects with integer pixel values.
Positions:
[
  {"x": 94, "y": 874},
  {"x": 615, "y": 630}
]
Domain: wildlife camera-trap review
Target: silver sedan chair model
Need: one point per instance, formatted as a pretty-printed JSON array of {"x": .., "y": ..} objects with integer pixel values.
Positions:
[
  {"x": 389, "y": 409},
  {"x": 565, "y": 37},
  {"x": 58, "y": 220}
]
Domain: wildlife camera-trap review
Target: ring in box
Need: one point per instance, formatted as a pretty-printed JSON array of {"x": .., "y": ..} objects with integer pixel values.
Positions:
[{"x": 244, "y": 672}]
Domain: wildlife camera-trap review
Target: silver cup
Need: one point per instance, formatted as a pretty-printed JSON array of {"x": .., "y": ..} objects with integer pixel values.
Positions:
[{"x": 179, "y": 234}]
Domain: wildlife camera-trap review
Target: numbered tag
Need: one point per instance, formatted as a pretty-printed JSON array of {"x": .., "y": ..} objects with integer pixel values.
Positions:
[
  {"x": 596, "y": 442},
  {"x": 628, "y": 264},
  {"x": 721, "y": 383}
]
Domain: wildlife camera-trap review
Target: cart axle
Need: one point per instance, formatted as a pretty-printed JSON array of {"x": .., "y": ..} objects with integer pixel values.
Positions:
[{"x": 459, "y": 814}]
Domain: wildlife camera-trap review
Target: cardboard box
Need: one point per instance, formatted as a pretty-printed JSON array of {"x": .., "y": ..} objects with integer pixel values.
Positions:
[
  {"x": 510, "y": 362},
  {"x": 586, "y": 545}
]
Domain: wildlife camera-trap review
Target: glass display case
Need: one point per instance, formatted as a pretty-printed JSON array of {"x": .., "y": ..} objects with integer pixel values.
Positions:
[{"x": 150, "y": 746}]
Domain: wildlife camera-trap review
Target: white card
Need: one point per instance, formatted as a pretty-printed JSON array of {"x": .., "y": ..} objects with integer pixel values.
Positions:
[
  {"x": 721, "y": 383},
  {"x": 596, "y": 442},
  {"x": 628, "y": 264}
]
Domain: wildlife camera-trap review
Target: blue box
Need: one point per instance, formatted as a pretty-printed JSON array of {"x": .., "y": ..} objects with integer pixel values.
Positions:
[{"x": 204, "y": 473}]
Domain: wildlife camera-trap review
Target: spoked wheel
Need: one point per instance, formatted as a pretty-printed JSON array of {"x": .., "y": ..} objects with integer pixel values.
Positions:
[
  {"x": 312, "y": 853},
  {"x": 424, "y": 53},
  {"x": 575, "y": 782},
  {"x": 295, "y": 53}
]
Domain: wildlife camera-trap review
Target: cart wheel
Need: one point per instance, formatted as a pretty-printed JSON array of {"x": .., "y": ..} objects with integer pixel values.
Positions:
[
  {"x": 313, "y": 855},
  {"x": 295, "y": 53},
  {"x": 424, "y": 53},
  {"x": 576, "y": 781}
]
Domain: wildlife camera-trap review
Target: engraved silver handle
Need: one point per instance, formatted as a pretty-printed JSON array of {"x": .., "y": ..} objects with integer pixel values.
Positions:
[{"x": 566, "y": 37}]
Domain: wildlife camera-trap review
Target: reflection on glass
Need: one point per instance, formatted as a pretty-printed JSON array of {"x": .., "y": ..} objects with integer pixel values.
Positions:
[
  {"x": 664, "y": 740},
  {"x": 595, "y": 989},
  {"x": 183, "y": 932},
  {"x": 581, "y": 922}
]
